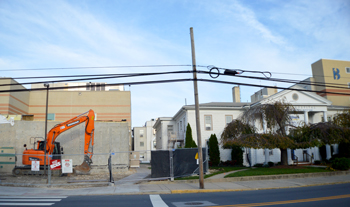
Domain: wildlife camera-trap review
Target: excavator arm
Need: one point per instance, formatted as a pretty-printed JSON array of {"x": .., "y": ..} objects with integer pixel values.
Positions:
[{"x": 87, "y": 117}]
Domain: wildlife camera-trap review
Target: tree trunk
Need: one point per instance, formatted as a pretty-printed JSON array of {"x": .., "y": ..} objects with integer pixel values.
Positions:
[{"x": 284, "y": 157}]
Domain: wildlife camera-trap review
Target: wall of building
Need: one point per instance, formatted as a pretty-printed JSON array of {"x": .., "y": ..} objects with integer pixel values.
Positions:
[
  {"x": 108, "y": 105},
  {"x": 162, "y": 133},
  {"x": 218, "y": 125},
  {"x": 109, "y": 137},
  {"x": 140, "y": 142},
  {"x": 13, "y": 102},
  {"x": 333, "y": 72}
]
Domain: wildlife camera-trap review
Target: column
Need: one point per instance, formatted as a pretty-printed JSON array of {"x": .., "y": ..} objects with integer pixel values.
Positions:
[
  {"x": 328, "y": 150},
  {"x": 267, "y": 155},
  {"x": 306, "y": 117}
]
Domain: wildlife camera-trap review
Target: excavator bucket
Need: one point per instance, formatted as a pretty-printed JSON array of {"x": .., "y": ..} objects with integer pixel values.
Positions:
[{"x": 84, "y": 168}]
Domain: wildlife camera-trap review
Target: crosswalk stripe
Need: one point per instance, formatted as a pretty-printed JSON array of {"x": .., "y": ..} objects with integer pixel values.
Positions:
[
  {"x": 34, "y": 200},
  {"x": 29, "y": 200},
  {"x": 46, "y": 197},
  {"x": 157, "y": 201},
  {"x": 26, "y": 204}
]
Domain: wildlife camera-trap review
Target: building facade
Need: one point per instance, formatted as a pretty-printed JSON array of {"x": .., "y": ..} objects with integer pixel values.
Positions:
[
  {"x": 332, "y": 76},
  {"x": 215, "y": 116},
  {"x": 109, "y": 103},
  {"x": 145, "y": 140}
]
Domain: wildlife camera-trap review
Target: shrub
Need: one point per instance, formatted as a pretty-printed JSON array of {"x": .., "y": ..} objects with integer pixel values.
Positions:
[
  {"x": 344, "y": 149},
  {"x": 341, "y": 163},
  {"x": 317, "y": 162},
  {"x": 271, "y": 164},
  {"x": 237, "y": 154},
  {"x": 259, "y": 165},
  {"x": 214, "y": 152},
  {"x": 228, "y": 163},
  {"x": 189, "y": 142}
]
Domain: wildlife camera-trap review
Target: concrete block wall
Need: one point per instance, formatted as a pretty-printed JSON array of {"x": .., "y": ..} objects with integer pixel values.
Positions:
[{"x": 109, "y": 137}]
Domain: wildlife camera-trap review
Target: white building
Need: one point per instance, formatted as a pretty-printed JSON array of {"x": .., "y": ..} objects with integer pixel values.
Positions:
[
  {"x": 214, "y": 116},
  {"x": 144, "y": 140}
]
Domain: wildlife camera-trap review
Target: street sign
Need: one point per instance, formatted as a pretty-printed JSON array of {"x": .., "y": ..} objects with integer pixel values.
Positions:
[{"x": 55, "y": 164}]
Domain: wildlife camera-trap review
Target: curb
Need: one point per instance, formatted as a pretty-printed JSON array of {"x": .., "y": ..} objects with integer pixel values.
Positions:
[
  {"x": 237, "y": 190},
  {"x": 252, "y": 178}
]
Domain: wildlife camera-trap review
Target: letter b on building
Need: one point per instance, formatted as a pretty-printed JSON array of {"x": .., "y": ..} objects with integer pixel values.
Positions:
[{"x": 336, "y": 74}]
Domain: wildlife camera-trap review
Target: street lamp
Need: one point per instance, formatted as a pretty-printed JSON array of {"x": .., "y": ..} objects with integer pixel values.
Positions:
[{"x": 47, "y": 102}]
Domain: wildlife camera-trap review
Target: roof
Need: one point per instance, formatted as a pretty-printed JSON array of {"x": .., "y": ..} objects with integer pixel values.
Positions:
[{"x": 219, "y": 104}]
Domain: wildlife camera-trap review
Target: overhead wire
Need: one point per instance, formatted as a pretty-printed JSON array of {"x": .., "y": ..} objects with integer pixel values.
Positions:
[
  {"x": 173, "y": 81},
  {"x": 98, "y": 67},
  {"x": 125, "y": 75}
]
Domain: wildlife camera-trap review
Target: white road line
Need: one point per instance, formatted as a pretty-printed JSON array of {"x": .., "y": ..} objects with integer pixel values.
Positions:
[
  {"x": 157, "y": 201},
  {"x": 34, "y": 200},
  {"x": 33, "y": 197},
  {"x": 26, "y": 204}
]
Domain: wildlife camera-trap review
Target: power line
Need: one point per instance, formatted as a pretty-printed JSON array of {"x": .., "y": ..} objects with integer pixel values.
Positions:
[
  {"x": 177, "y": 80},
  {"x": 105, "y": 76},
  {"x": 128, "y": 75},
  {"x": 98, "y": 67}
]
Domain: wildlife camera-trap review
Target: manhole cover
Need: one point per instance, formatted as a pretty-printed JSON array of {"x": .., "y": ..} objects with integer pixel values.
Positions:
[{"x": 194, "y": 203}]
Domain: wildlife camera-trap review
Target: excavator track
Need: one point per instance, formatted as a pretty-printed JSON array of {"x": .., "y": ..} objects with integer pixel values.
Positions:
[{"x": 27, "y": 170}]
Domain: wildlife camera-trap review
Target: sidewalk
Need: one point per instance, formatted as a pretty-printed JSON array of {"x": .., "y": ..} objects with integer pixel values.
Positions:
[{"x": 167, "y": 187}]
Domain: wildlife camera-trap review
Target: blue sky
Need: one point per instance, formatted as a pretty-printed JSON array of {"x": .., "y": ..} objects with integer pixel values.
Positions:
[{"x": 269, "y": 35}]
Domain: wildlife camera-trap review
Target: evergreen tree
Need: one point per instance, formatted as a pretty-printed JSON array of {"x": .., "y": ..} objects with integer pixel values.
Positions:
[
  {"x": 214, "y": 152},
  {"x": 189, "y": 142},
  {"x": 237, "y": 155}
]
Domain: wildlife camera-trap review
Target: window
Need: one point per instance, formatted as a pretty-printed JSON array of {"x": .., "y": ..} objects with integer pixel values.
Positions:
[
  {"x": 88, "y": 86},
  {"x": 181, "y": 126},
  {"x": 208, "y": 123},
  {"x": 141, "y": 132},
  {"x": 98, "y": 86},
  {"x": 92, "y": 86},
  {"x": 270, "y": 152},
  {"x": 142, "y": 144},
  {"x": 228, "y": 119},
  {"x": 50, "y": 116},
  {"x": 348, "y": 85},
  {"x": 347, "y": 70}
]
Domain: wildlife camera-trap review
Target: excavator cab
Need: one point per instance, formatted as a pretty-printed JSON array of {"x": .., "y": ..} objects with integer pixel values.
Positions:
[{"x": 57, "y": 150}]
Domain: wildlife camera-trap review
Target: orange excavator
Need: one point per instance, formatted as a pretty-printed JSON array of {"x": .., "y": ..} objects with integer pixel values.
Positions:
[{"x": 53, "y": 148}]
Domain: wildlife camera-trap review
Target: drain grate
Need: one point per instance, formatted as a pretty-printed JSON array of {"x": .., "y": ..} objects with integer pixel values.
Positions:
[{"x": 193, "y": 203}]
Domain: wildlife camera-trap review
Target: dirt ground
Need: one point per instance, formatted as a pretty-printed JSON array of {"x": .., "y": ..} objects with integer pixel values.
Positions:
[{"x": 72, "y": 181}]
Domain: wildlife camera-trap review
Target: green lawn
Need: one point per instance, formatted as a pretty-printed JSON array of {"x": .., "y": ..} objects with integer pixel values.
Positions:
[
  {"x": 220, "y": 170},
  {"x": 276, "y": 171}
]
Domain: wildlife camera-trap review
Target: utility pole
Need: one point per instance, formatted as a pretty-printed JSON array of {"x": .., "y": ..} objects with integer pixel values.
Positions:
[{"x": 198, "y": 128}]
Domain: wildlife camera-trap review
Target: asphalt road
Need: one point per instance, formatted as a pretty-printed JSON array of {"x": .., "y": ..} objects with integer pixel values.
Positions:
[{"x": 327, "y": 195}]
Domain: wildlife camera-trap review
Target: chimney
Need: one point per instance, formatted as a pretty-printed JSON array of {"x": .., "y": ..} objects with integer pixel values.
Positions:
[{"x": 236, "y": 94}]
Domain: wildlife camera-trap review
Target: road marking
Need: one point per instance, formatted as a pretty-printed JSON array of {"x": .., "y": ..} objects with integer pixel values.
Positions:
[
  {"x": 157, "y": 201},
  {"x": 46, "y": 197},
  {"x": 29, "y": 201},
  {"x": 26, "y": 204},
  {"x": 288, "y": 202},
  {"x": 33, "y": 200}
]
